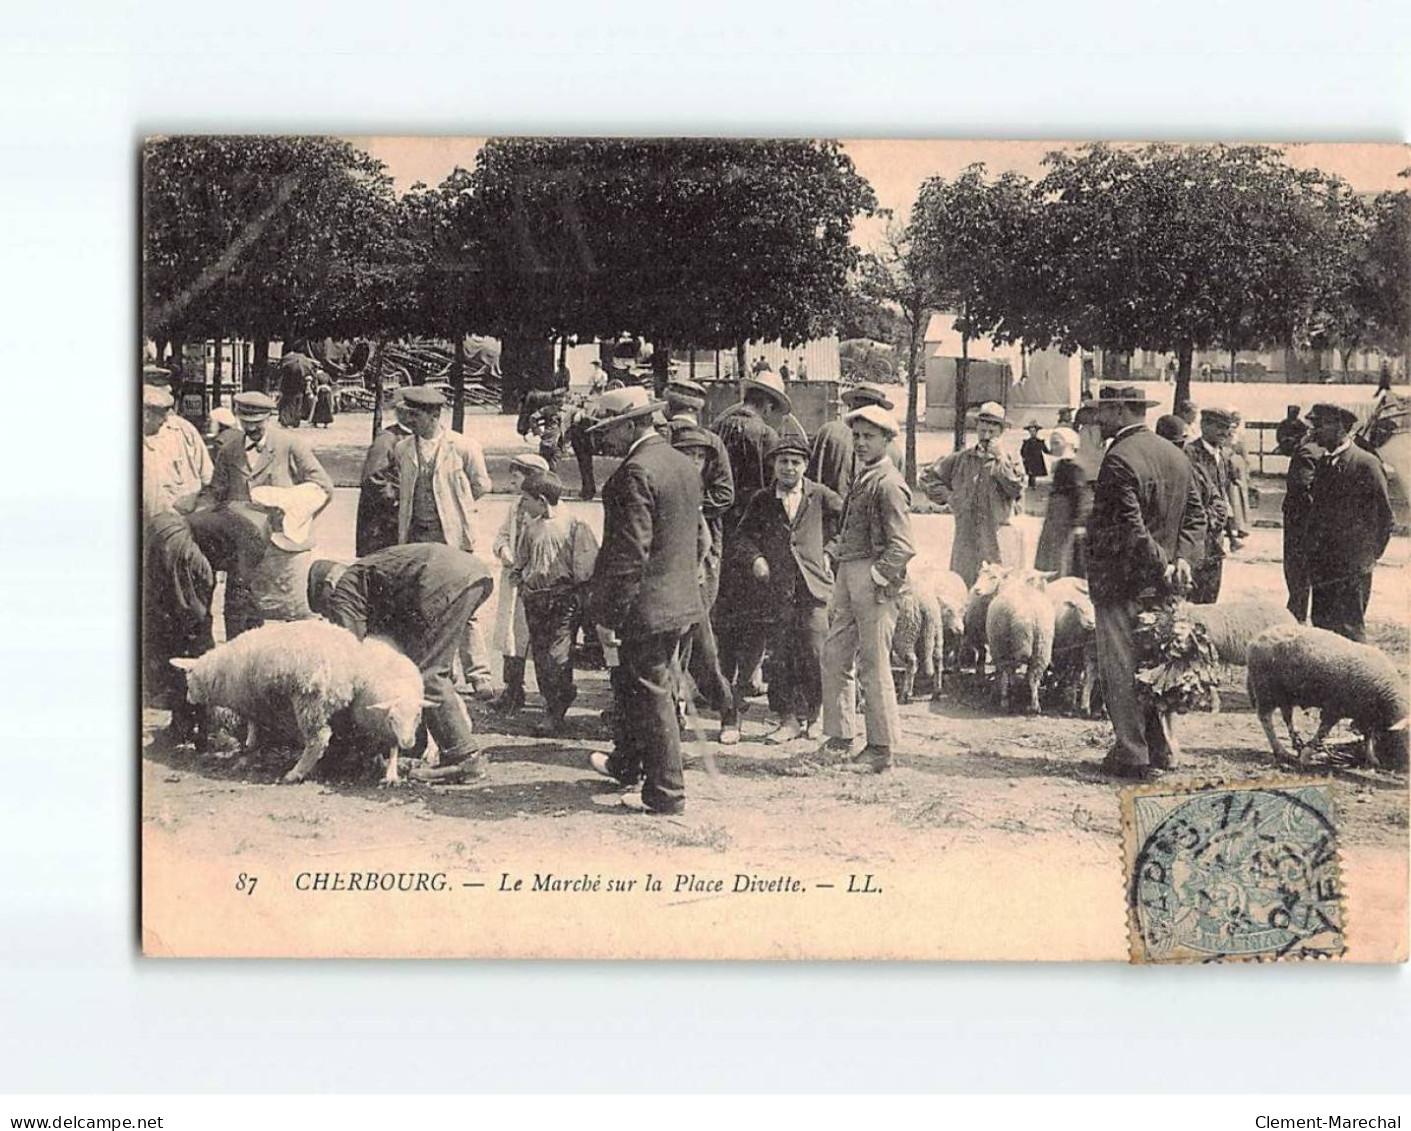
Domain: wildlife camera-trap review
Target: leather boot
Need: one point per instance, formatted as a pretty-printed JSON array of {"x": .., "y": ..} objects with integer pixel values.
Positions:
[{"x": 512, "y": 697}]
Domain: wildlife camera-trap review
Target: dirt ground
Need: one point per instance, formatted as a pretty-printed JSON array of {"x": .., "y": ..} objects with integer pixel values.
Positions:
[{"x": 1019, "y": 798}]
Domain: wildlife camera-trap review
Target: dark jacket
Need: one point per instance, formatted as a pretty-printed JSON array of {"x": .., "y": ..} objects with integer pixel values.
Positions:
[
  {"x": 285, "y": 461},
  {"x": 645, "y": 579},
  {"x": 1069, "y": 504},
  {"x": 377, "y": 515},
  {"x": 1298, "y": 490},
  {"x": 747, "y": 439},
  {"x": 830, "y": 462},
  {"x": 1032, "y": 452},
  {"x": 717, "y": 480},
  {"x": 794, "y": 550},
  {"x": 1212, "y": 481},
  {"x": 876, "y": 522},
  {"x": 1146, "y": 514},
  {"x": 1349, "y": 518},
  {"x": 403, "y": 591}
]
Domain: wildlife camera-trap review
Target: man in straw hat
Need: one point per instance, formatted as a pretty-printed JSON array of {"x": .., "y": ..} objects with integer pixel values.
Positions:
[
  {"x": 1146, "y": 531},
  {"x": 874, "y": 546},
  {"x": 830, "y": 460},
  {"x": 645, "y": 593},
  {"x": 983, "y": 485},
  {"x": 780, "y": 543},
  {"x": 269, "y": 457},
  {"x": 1348, "y": 525},
  {"x": 749, "y": 432},
  {"x": 1208, "y": 453}
]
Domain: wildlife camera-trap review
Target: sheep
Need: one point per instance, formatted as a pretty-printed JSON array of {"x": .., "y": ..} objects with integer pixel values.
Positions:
[
  {"x": 1019, "y": 631},
  {"x": 1295, "y": 666},
  {"x": 977, "y": 606},
  {"x": 1233, "y": 626},
  {"x": 288, "y": 679},
  {"x": 1074, "y": 638},
  {"x": 918, "y": 639},
  {"x": 952, "y": 595}
]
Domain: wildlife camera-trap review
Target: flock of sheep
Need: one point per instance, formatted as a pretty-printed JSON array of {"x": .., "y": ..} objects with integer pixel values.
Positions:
[
  {"x": 291, "y": 682},
  {"x": 1024, "y": 619}
]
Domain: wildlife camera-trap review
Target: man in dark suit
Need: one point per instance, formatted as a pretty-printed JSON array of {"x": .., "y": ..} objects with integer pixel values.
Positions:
[
  {"x": 644, "y": 592},
  {"x": 1298, "y": 500},
  {"x": 1209, "y": 458},
  {"x": 1348, "y": 526},
  {"x": 1147, "y": 531},
  {"x": 376, "y": 525},
  {"x": 780, "y": 543}
]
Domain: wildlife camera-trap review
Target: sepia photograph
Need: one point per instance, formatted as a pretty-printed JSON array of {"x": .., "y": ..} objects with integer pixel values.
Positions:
[{"x": 606, "y": 547}]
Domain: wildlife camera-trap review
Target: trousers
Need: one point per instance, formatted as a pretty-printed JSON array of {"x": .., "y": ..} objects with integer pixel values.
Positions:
[
  {"x": 859, "y": 640},
  {"x": 795, "y": 638},
  {"x": 646, "y": 737},
  {"x": 1341, "y": 605},
  {"x": 551, "y": 616},
  {"x": 1206, "y": 578},
  {"x": 1144, "y": 736},
  {"x": 1296, "y": 577},
  {"x": 435, "y": 653}
]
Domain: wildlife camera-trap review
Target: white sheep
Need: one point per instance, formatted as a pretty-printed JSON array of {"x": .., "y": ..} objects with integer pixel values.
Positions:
[
  {"x": 1019, "y": 632},
  {"x": 1295, "y": 666},
  {"x": 977, "y": 607},
  {"x": 1074, "y": 661},
  {"x": 1233, "y": 626},
  {"x": 918, "y": 639},
  {"x": 288, "y": 679}
]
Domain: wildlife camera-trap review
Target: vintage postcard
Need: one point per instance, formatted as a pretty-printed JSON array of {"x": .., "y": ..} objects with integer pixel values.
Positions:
[{"x": 774, "y": 549}]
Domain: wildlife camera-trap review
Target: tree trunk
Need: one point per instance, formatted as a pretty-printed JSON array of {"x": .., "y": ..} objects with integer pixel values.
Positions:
[
  {"x": 661, "y": 366},
  {"x": 216, "y": 376},
  {"x": 1185, "y": 351},
  {"x": 374, "y": 367},
  {"x": 1232, "y": 365},
  {"x": 259, "y": 379},
  {"x": 962, "y": 380},
  {"x": 458, "y": 383},
  {"x": 563, "y": 354},
  {"x": 526, "y": 361},
  {"x": 692, "y": 362},
  {"x": 913, "y": 382},
  {"x": 717, "y": 365},
  {"x": 740, "y": 361}
]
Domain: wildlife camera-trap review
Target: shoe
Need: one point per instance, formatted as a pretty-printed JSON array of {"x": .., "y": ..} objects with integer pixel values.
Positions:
[
  {"x": 870, "y": 760},
  {"x": 787, "y": 731},
  {"x": 730, "y": 735},
  {"x": 467, "y": 769},
  {"x": 634, "y": 802},
  {"x": 1128, "y": 772},
  {"x": 601, "y": 763},
  {"x": 835, "y": 748}
]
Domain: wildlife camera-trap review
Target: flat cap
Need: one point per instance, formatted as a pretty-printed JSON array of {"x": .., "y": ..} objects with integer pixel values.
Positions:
[
  {"x": 1219, "y": 415},
  {"x": 692, "y": 437},
  {"x": 253, "y": 406},
  {"x": 529, "y": 461},
  {"x": 1324, "y": 410},
  {"x": 875, "y": 415},
  {"x": 154, "y": 397},
  {"x": 423, "y": 396}
]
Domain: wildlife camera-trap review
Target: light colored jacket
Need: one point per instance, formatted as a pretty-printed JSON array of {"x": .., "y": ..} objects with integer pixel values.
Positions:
[{"x": 458, "y": 479}]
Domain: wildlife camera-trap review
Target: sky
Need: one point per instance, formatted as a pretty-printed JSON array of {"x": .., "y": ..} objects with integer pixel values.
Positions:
[{"x": 896, "y": 168}]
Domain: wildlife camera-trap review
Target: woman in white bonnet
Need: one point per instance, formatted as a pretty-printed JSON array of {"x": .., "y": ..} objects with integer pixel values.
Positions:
[{"x": 1061, "y": 542}]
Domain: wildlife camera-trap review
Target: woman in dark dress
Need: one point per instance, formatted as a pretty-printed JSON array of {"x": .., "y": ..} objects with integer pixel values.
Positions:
[
  {"x": 323, "y": 400},
  {"x": 1032, "y": 452},
  {"x": 1061, "y": 545}
]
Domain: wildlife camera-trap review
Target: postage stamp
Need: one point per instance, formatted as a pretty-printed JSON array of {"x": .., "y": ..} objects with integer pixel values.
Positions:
[{"x": 1220, "y": 872}]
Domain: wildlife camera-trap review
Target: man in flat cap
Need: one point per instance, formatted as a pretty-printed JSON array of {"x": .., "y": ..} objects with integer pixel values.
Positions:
[
  {"x": 176, "y": 465},
  {"x": 830, "y": 460},
  {"x": 983, "y": 485},
  {"x": 377, "y": 514},
  {"x": 272, "y": 457},
  {"x": 435, "y": 477},
  {"x": 1304, "y": 455},
  {"x": 1348, "y": 525},
  {"x": 1210, "y": 464},
  {"x": 1146, "y": 532},
  {"x": 684, "y": 400},
  {"x": 873, "y": 548},
  {"x": 645, "y": 593}
]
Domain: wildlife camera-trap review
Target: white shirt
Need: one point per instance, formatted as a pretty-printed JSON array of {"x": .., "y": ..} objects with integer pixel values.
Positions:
[{"x": 791, "y": 499}]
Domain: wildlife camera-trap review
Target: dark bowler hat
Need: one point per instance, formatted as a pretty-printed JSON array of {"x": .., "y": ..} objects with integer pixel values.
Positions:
[
  {"x": 423, "y": 397},
  {"x": 1171, "y": 427},
  {"x": 1123, "y": 394},
  {"x": 1323, "y": 410}
]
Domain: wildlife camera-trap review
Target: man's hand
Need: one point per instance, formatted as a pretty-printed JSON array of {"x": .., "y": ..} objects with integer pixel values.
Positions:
[
  {"x": 760, "y": 569},
  {"x": 1178, "y": 576}
]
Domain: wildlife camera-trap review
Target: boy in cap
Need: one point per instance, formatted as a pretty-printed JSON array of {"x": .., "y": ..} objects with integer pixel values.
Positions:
[
  {"x": 780, "y": 546},
  {"x": 554, "y": 559},
  {"x": 873, "y": 548},
  {"x": 1348, "y": 525},
  {"x": 983, "y": 485},
  {"x": 511, "y": 629}
]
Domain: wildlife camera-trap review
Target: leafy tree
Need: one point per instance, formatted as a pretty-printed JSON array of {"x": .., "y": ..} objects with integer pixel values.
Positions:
[
  {"x": 1387, "y": 271},
  {"x": 972, "y": 239},
  {"x": 895, "y": 274},
  {"x": 265, "y": 237}
]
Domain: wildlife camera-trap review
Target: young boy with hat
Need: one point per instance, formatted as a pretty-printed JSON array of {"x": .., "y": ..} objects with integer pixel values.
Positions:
[
  {"x": 511, "y": 638},
  {"x": 873, "y": 548},
  {"x": 780, "y": 549},
  {"x": 553, "y": 561}
]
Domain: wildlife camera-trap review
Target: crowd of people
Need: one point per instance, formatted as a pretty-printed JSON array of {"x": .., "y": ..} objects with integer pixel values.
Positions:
[{"x": 732, "y": 554}]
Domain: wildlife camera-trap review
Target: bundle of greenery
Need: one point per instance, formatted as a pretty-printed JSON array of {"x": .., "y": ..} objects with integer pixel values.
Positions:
[{"x": 1178, "y": 668}]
